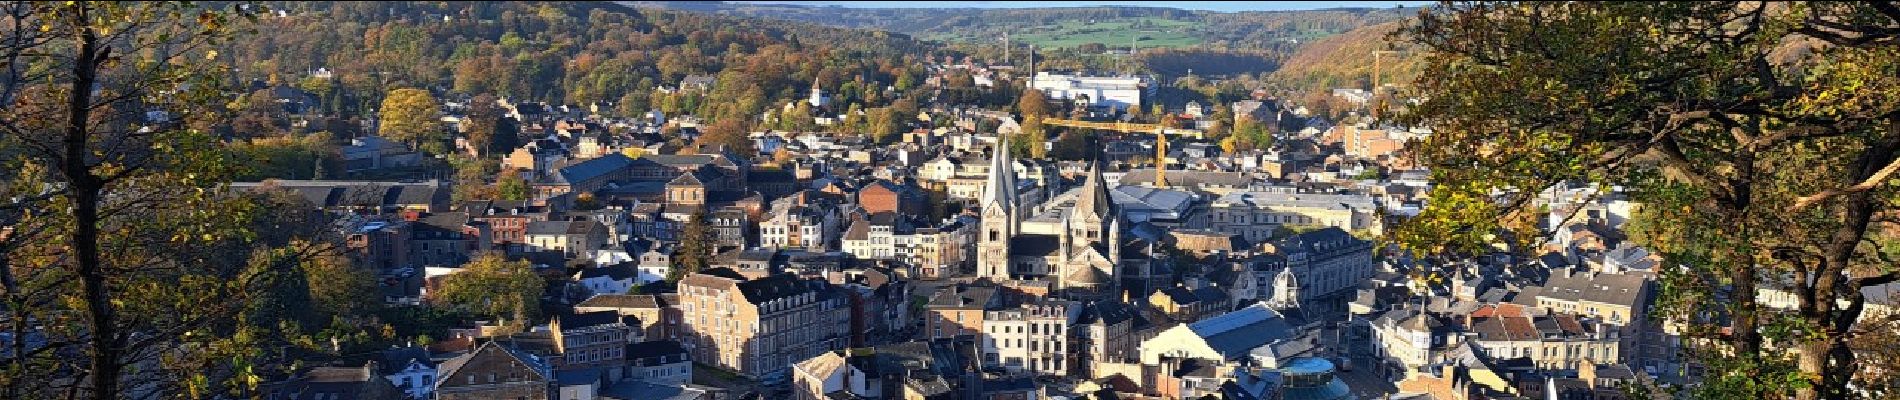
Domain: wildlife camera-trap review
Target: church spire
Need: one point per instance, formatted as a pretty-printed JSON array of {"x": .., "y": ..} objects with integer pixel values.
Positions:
[
  {"x": 1093, "y": 200},
  {"x": 999, "y": 189}
]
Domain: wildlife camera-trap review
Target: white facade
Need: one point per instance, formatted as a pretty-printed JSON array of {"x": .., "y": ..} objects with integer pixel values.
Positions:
[
  {"x": 417, "y": 380},
  {"x": 1120, "y": 93},
  {"x": 1033, "y": 338}
]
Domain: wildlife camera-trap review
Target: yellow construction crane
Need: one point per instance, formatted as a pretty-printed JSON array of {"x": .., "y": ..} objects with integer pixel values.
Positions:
[{"x": 1160, "y": 132}]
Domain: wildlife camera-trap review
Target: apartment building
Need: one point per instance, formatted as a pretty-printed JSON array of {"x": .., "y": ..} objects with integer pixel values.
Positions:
[{"x": 760, "y": 327}]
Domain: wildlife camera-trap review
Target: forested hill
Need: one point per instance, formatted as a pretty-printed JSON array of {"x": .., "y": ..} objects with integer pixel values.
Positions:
[
  {"x": 567, "y": 52},
  {"x": 1059, "y": 27},
  {"x": 1346, "y": 61}
]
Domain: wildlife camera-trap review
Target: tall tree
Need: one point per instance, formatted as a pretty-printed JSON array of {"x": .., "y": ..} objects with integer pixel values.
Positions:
[
  {"x": 413, "y": 116},
  {"x": 484, "y": 123},
  {"x": 696, "y": 248},
  {"x": 121, "y": 240},
  {"x": 1760, "y": 137},
  {"x": 1032, "y": 103}
]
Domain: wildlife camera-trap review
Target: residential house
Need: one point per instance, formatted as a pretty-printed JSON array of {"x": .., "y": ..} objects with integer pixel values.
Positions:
[
  {"x": 410, "y": 369},
  {"x": 493, "y": 371},
  {"x": 573, "y": 238}
]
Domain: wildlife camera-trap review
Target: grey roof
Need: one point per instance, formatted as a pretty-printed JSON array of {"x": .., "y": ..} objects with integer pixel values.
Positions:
[
  {"x": 1189, "y": 178},
  {"x": 1149, "y": 199},
  {"x": 1236, "y": 333},
  {"x": 594, "y": 168},
  {"x": 1034, "y": 245},
  {"x": 1618, "y": 289},
  {"x": 1305, "y": 200},
  {"x": 1087, "y": 276},
  {"x": 396, "y": 359},
  {"x": 963, "y": 296},
  {"x": 661, "y": 351},
  {"x": 761, "y": 290},
  {"x": 686, "y": 179}
]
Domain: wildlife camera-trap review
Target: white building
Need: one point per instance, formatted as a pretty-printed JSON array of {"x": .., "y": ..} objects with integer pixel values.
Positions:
[
  {"x": 1033, "y": 338},
  {"x": 410, "y": 369},
  {"x": 1119, "y": 93},
  {"x": 1255, "y": 215}
]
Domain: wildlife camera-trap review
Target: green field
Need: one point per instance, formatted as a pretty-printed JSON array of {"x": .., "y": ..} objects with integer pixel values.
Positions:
[{"x": 1116, "y": 34}]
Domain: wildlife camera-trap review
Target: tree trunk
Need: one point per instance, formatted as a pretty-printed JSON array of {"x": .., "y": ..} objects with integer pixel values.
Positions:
[
  {"x": 84, "y": 190},
  {"x": 1828, "y": 359}
]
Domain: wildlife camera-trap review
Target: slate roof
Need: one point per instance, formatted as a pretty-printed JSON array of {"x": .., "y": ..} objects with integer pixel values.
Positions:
[
  {"x": 963, "y": 296},
  {"x": 1618, "y": 289},
  {"x": 594, "y": 168},
  {"x": 1106, "y": 313},
  {"x": 686, "y": 180},
  {"x": 489, "y": 349},
  {"x": 618, "y": 272},
  {"x": 1087, "y": 276},
  {"x": 759, "y": 291},
  {"x": 1188, "y": 178},
  {"x": 1033, "y": 245},
  {"x": 589, "y": 319},
  {"x": 656, "y": 352},
  {"x": 1236, "y": 333},
  {"x": 396, "y": 359}
]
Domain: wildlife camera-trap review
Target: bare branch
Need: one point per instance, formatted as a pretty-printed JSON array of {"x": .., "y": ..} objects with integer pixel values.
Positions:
[{"x": 1871, "y": 182}]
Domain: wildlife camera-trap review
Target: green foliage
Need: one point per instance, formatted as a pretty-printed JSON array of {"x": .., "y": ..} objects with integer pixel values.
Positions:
[
  {"x": 510, "y": 186},
  {"x": 1754, "y": 152},
  {"x": 492, "y": 286},
  {"x": 283, "y": 157},
  {"x": 696, "y": 249}
]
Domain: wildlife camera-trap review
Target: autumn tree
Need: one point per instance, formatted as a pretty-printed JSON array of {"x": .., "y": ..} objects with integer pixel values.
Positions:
[
  {"x": 413, "y": 116},
  {"x": 123, "y": 243},
  {"x": 731, "y": 133},
  {"x": 1760, "y": 139},
  {"x": 492, "y": 286},
  {"x": 510, "y": 186},
  {"x": 1032, "y": 103}
]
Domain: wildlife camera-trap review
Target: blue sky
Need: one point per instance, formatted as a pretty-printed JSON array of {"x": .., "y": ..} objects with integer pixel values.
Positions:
[{"x": 1224, "y": 6}]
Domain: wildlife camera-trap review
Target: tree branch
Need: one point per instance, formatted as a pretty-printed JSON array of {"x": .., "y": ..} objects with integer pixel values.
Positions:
[{"x": 1871, "y": 182}]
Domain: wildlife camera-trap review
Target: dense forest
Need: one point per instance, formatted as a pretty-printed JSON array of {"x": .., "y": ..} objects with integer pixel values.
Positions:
[
  {"x": 568, "y": 53},
  {"x": 1252, "y": 30},
  {"x": 1346, "y": 61}
]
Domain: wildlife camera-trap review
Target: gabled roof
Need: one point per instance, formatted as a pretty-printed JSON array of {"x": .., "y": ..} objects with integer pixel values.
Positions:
[
  {"x": 686, "y": 180},
  {"x": 490, "y": 350},
  {"x": 396, "y": 359}
]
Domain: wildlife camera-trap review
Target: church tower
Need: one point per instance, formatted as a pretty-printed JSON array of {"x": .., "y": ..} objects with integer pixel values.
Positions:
[
  {"x": 999, "y": 214},
  {"x": 1088, "y": 221}
]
